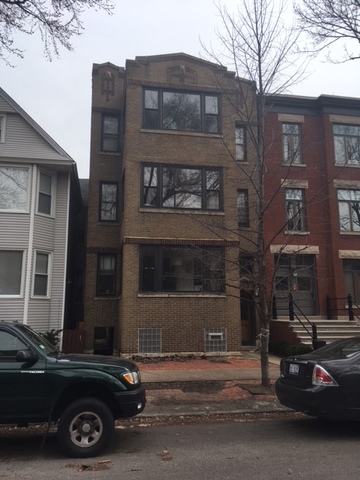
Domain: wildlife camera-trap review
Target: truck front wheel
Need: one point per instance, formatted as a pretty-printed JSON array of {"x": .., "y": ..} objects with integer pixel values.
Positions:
[{"x": 85, "y": 428}]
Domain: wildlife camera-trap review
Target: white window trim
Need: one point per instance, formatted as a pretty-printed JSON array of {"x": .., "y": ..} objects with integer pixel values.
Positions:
[
  {"x": 53, "y": 193},
  {"x": 22, "y": 281},
  {"x": 49, "y": 275},
  {"x": 3, "y": 127},
  {"x": 27, "y": 209}
]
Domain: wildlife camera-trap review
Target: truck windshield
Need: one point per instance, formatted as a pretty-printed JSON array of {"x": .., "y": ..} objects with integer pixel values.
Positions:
[{"x": 44, "y": 344}]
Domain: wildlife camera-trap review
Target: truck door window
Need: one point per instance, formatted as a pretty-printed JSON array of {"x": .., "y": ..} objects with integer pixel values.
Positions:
[{"x": 9, "y": 346}]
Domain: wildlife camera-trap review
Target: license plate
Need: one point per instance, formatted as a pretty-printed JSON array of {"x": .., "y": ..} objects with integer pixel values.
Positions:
[{"x": 293, "y": 369}]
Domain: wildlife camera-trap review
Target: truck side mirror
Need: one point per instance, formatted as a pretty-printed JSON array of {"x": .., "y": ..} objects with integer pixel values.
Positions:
[{"x": 26, "y": 356}]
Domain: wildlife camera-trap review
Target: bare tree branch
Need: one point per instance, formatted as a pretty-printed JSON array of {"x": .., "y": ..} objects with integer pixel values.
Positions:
[
  {"x": 260, "y": 44},
  {"x": 57, "y": 21},
  {"x": 331, "y": 21}
]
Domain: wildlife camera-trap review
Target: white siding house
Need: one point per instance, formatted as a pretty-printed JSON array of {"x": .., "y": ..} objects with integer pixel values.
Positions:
[{"x": 36, "y": 178}]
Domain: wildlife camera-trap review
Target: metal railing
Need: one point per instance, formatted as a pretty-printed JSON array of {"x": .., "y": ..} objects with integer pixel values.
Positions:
[
  {"x": 313, "y": 334},
  {"x": 350, "y": 307},
  {"x": 309, "y": 327}
]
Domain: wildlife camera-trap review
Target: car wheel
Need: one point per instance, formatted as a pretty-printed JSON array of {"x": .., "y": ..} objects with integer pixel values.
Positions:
[{"x": 85, "y": 427}]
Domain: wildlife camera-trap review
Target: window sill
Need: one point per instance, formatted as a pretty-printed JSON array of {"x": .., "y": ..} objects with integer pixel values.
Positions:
[
  {"x": 182, "y": 133},
  {"x": 181, "y": 211},
  {"x": 292, "y": 232},
  {"x": 107, "y": 297},
  {"x": 108, "y": 223},
  {"x": 347, "y": 165},
  {"x": 301, "y": 165},
  {"x": 181, "y": 295},
  {"x": 45, "y": 215},
  {"x": 350, "y": 233},
  {"x": 111, "y": 154}
]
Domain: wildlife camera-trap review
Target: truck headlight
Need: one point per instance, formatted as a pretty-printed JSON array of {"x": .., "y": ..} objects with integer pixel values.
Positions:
[{"x": 133, "y": 378}]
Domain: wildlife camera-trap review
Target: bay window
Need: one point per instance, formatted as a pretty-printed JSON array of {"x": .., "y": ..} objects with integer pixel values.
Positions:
[
  {"x": 167, "y": 186},
  {"x": 182, "y": 269},
  {"x": 178, "y": 110}
]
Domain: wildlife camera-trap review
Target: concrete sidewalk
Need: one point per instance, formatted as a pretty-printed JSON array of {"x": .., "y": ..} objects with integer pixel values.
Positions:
[{"x": 212, "y": 386}]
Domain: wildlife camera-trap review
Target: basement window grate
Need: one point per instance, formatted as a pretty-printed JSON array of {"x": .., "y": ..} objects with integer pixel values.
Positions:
[
  {"x": 215, "y": 340},
  {"x": 149, "y": 340}
]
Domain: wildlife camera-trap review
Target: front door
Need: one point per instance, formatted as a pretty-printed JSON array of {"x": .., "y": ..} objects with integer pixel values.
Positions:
[
  {"x": 23, "y": 385},
  {"x": 295, "y": 275},
  {"x": 248, "y": 318}
]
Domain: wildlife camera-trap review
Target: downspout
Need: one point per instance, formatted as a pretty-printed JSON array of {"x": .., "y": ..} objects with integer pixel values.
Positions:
[
  {"x": 65, "y": 257},
  {"x": 27, "y": 291}
]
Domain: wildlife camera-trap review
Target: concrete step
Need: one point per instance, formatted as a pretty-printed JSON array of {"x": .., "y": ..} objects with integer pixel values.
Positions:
[{"x": 327, "y": 330}]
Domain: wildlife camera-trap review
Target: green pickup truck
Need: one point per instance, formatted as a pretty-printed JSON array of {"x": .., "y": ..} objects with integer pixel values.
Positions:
[{"x": 82, "y": 394}]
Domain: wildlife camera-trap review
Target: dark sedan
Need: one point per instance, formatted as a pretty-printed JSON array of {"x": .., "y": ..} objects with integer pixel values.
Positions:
[{"x": 324, "y": 383}]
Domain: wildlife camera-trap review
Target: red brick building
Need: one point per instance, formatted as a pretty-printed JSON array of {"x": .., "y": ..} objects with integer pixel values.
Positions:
[{"x": 312, "y": 189}]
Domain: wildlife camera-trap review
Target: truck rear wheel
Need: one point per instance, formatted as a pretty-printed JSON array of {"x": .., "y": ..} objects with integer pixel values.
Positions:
[{"x": 85, "y": 428}]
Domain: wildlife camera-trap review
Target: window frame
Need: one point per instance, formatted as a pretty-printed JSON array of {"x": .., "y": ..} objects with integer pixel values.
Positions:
[
  {"x": 103, "y": 201},
  {"x": 345, "y": 141},
  {"x": 110, "y": 136},
  {"x": 205, "y": 115},
  {"x": 348, "y": 202},
  {"x": 158, "y": 187},
  {"x": 106, "y": 273},
  {"x": 21, "y": 272},
  {"x": 242, "y": 144},
  {"x": 38, "y": 274},
  {"x": 351, "y": 272},
  {"x": 243, "y": 211},
  {"x": 27, "y": 195},
  {"x": 200, "y": 276},
  {"x": 293, "y": 155},
  {"x": 299, "y": 218},
  {"x": 2, "y": 127},
  {"x": 48, "y": 195}
]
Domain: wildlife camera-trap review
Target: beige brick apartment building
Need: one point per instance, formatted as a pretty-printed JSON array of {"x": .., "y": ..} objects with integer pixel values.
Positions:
[{"x": 168, "y": 194}]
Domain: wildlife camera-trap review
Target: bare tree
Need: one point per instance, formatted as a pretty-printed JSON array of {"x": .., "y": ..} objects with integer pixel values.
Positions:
[
  {"x": 331, "y": 21},
  {"x": 56, "y": 20},
  {"x": 260, "y": 42}
]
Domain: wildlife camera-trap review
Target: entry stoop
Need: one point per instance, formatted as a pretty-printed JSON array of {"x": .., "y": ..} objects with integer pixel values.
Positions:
[{"x": 327, "y": 330}]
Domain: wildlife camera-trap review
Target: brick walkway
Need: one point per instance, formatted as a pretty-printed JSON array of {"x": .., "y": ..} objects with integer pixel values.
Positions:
[{"x": 201, "y": 364}]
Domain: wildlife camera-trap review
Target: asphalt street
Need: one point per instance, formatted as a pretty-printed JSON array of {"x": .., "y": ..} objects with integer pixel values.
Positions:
[{"x": 288, "y": 447}]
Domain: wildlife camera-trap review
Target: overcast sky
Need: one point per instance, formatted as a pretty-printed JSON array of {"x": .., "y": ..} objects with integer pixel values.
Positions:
[{"x": 57, "y": 94}]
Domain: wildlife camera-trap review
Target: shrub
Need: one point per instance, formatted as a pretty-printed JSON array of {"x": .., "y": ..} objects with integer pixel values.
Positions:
[
  {"x": 283, "y": 349},
  {"x": 53, "y": 336}
]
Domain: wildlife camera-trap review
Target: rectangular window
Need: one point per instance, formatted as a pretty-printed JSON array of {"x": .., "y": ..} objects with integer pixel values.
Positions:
[
  {"x": 351, "y": 269},
  {"x": 240, "y": 144},
  {"x": 347, "y": 144},
  {"x": 246, "y": 266},
  {"x": 172, "y": 110},
  {"x": 149, "y": 340},
  {"x": 108, "y": 201},
  {"x": 45, "y": 194},
  {"x": 291, "y": 143},
  {"x": 243, "y": 208},
  {"x": 14, "y": 189},
  {"x": 166, "y": 186},
  {"x": 295, "y": 209},
  {"x": 106, "y": 274},
  {"x": 110, "y": 133},
  {"x": 2, "y": 128},
  {"x": 215, "y": 340},
  {"x": 11, "y": 267},
  {"x": 182, "y": 269},
  {"x": 349, "y": 210},
  {"x": 41, "y": 281}
]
